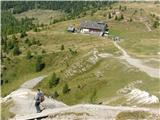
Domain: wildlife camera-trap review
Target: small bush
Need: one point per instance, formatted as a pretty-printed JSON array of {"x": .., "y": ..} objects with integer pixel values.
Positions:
[
  {"x": 156, "y": 24},
  {"x": 28, "y": 42},
  {"x": 16, "y": 50},
  {"x": 55, "y": 95},
  {"x": 136, "y": 115},
  {"x": 23, "y": 34},
  {"x": 54, "y": 80},
  {"x": 14, "y": 37},
  {"x": 65, "y": 89},
  {"x": 73, "y": 52},
  {"x": 121, "y": 17},
  {"x": 39, "y": 64},
  {"x": 62, "y": 47},
  {"x": 130, "y": 20},
  {"x": 10, "y": 44},
  {"x": 116, "y": 18},
  {"x": 120, "y": 7},
  {"x": 29, "y": 56},
  {"x": 109, "y": 16}
]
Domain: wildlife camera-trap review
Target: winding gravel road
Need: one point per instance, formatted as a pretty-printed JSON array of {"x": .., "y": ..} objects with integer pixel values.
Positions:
[{"x": 153, "y": 72}]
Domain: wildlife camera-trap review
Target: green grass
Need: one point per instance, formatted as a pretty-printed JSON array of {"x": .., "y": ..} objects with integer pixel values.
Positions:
[
  {"x": 5, "y": 113},
  {"x": 115, "y": 76},
  {"x": 135, "y": 39},
  {"x": 41, "y": 16},
  {"x": 137, "y": 115}
]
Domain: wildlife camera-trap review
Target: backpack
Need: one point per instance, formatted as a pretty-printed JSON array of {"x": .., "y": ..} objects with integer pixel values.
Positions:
[{"x": 41, "y": 97}]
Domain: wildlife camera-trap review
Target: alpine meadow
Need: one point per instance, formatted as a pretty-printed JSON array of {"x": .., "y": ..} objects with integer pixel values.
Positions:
[{"x": 92, "y": 60}]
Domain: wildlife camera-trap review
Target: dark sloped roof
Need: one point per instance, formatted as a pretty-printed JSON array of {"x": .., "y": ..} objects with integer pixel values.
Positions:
[{"x": 93, "y": 25}]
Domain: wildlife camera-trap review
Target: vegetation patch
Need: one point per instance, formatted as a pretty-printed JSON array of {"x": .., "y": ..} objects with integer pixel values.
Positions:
[
  {"x": 5, "y": 110},
  {"x": 137, "y": 115}
]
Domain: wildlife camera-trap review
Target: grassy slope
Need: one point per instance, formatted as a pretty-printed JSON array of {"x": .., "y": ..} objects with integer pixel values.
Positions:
[
  {"x": 132, "y": 33},
  {"x": 5, "y": 111},
  {"x": 115, "y": 76},
  {"x": 43, "y": 16},
  {"x": 135, "y": 115}
]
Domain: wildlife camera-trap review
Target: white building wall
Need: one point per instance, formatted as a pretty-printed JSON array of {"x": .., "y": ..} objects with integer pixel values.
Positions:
[{"x": 84, "y": 30}]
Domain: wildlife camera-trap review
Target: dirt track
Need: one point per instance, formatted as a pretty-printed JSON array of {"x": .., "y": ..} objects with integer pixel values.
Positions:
[{"x": 153, "y": 72}]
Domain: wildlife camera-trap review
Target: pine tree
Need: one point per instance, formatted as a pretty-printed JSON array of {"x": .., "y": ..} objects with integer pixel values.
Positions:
[
  {"x": 65, "y": 89},
  {"x": 29, "y": 56},
  {"x": 16, "y": 50},
  {"x": 130, "y": 20},
  {"x": 56, "y": 94},
  {"x": 62, "y": 47},
  {"x": 14, "y": 37},
  {"x": 23, "y": 34},
  {"x": 121, "y": 17},
  {"x": 156, "y": 24},
  {"x": 109, "y": 16},
  {"x": 39, "y": 64},
  {"x": 10, "y": 44},
  {"x": 120, "y": 7},
  {"x": 54, "y": 80},
  {"x": 116, "y": 18}
]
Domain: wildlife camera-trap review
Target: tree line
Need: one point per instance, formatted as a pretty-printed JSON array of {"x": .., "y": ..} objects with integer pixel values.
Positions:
[
  {"x": 11, "y": 25},
  {"x": 73, "y": 9}
]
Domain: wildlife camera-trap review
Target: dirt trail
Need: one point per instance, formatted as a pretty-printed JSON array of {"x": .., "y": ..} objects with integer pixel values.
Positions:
[
  {"x": 86, "y": 112},
  {"x": 23, "y": 99},
  {"x": 153, "y": 72}
]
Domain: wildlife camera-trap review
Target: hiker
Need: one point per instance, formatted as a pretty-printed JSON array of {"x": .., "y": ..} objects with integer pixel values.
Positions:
[{"x": 39, "y": 98}]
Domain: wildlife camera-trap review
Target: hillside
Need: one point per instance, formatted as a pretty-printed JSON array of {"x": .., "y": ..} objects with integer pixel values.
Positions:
[
  {"x": 95, "y": 69},
  {"x": 41, "y": 16}
]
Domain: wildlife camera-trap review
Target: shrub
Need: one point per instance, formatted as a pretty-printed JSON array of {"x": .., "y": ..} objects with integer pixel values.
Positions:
[
  {"x": 62, "y": 47},
  {"x": 65, "y": 89},
  {"x": 28, "y": 42},
  {"x": 110, "y": 7},
  {"x": 72, "y": 51},
  {"x": 38, "y": 43},
  {"x": 14, "y": 37},
  {"x": 156, "y": 24},
  {"x": 10, "y": 44},
  {"x": 29, "y": 56},
  {"x": 120, "y": 7},
  {"x": 130, "y": 20},
  {"x": 109, "y": 16},
  {"x": 55, "y": 95},
  {"x": 34, "y": 41},
  {"x": 125, "y": 7},
  {"x": 121, "y": 17},
  {"x": 54, "y": 80},
  {"x": 23, "y": 34},
  {"x": 16, "y": 50},
  {"x": 92, "y": 12},
  {"x": 2, "y": 82},
  {"x": 116, "y": 18},
  {"x": 135, "y": 115},
  {"x": 39, "y": 64}
]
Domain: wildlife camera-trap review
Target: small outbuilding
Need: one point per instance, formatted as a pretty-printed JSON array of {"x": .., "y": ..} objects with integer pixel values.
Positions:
[{"x": 71, "y": 29}]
